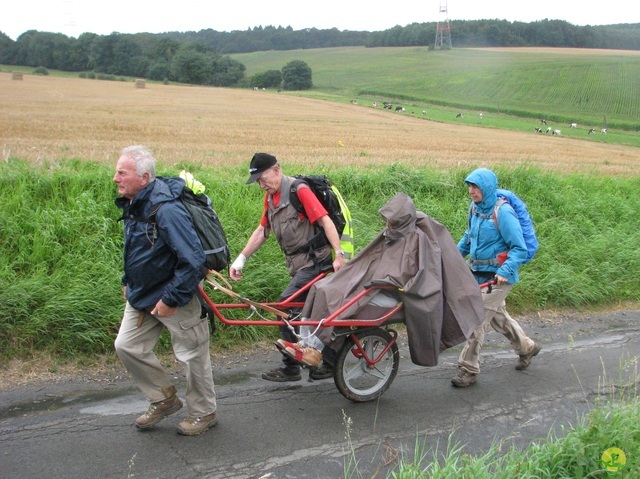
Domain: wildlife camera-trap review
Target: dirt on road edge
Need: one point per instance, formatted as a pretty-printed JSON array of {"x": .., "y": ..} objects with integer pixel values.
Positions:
[{"x": 545, "y": 327}]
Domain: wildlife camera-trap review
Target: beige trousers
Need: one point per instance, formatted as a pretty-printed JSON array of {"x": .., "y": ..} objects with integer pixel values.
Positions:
[
  {"x": 497, "y": 316},
  {"x": 190, "y": 341}
]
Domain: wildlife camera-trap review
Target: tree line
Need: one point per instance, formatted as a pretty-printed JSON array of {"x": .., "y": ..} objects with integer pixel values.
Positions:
[
  {"x": 203, "y": 57},
  {"x": 502, "y": 33}
]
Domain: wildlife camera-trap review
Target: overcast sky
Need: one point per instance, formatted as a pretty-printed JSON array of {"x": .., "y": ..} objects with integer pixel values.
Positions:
[{"x": 73, "y": 17}]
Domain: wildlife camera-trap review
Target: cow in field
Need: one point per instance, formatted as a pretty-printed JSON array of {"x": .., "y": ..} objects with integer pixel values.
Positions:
[
  {"x": 460, "y": 115},
  {"x": 556, "y": 132},
  {"x": 574, "y": 125}
]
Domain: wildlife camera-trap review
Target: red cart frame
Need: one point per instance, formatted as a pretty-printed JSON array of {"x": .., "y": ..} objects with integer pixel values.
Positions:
[{"x": 366, "y": 363}]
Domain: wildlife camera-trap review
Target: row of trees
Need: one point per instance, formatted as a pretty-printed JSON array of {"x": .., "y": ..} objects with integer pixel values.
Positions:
[
  {"x": 475, "y": 33},
  {"x": 501, "y": 33},
  {"x": 156, "y": 57},
  {"x": 260, "y": 39},
  {"x": 202, "y": 57}
]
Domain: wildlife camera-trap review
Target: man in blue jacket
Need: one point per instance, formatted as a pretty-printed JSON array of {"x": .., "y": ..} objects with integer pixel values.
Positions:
[
  {"x": 163, "y": 265},
  {"x": 494, "y": 252}
]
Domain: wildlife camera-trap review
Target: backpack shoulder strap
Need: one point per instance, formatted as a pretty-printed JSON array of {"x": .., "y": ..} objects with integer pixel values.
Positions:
[
  {"x": 501, "y": 201},
  {"x": 293, "y": 195}
]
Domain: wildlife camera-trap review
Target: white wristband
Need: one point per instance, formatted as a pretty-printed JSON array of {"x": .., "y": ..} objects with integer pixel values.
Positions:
[{"x": 238, "y": 264}]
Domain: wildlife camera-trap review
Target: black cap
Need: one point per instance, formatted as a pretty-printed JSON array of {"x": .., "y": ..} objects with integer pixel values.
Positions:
[{"x": 260, "y": 163}]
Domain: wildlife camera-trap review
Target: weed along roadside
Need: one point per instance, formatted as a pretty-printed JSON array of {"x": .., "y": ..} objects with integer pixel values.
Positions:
[{"x": 66, "y": 264}]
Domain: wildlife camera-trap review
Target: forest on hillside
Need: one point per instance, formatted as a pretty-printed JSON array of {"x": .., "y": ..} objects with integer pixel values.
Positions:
[{"x": 205, "y": 54}]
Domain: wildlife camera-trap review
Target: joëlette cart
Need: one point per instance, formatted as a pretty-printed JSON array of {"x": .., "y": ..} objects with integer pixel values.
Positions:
[{"x": 367, "y": 361}]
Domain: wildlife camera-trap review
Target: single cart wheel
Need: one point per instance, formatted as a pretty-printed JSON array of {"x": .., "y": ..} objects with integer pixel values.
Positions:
[{"x": 355, "y": 377}]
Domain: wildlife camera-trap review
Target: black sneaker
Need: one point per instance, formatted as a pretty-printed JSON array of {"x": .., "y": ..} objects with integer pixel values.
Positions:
[
  {"x": 281, "y": 375},
  {"x": 324, "y": 371}
]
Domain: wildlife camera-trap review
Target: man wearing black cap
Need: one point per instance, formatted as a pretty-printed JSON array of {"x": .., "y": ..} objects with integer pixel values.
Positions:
[{"x": 292, "y": 231}]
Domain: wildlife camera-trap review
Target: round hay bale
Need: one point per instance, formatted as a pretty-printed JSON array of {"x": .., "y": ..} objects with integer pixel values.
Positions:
[
  {"x": 16, "y": 76},
  {"x": 141, "y": 83}
]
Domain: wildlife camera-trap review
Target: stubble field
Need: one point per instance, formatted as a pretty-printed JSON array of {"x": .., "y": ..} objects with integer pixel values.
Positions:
[{"x": 44, "y": 119}]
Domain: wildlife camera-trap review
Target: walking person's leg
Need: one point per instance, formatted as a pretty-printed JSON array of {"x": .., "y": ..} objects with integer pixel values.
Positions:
[
  {"x": 190, "y": 340},
  {"x": 137, "y": 337},
  {"x": 289, "y": 370},
  {"x": 469, "y": 359},
  {"x": 524, "y": 346}
]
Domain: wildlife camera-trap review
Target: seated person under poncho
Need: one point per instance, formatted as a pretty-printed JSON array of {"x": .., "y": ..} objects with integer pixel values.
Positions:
[{"x": 416, "y": 254}]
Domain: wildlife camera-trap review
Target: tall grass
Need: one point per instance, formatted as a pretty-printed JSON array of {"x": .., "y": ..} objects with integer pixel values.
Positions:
[
  {"x": 576, "y": 453},
  {"x": 61, "y": 243}
]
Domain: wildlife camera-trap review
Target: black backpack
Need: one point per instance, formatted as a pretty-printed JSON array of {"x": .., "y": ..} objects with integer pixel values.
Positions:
[
  {"x": 322, "y": 188},
  {"x": 208, "y": 228}
]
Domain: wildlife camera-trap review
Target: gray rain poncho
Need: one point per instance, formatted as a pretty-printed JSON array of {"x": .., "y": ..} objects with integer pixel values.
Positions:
[{"x": 442, "y": 300}]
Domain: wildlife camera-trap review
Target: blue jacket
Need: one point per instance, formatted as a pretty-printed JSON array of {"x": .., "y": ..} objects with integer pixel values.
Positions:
[
  {"x": 483, "y": 241},
  {"x": 162, "y": 260}
]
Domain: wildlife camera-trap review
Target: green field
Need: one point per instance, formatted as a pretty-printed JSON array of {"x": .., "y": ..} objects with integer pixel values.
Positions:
[{"x": 591, "y": 88}]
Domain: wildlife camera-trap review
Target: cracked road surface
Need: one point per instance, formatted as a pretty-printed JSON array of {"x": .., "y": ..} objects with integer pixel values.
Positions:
[{"x": 79, "y": 429}]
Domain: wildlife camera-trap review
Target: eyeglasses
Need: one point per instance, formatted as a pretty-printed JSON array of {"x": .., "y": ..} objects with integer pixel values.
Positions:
[{"x": 264, "y": 177}]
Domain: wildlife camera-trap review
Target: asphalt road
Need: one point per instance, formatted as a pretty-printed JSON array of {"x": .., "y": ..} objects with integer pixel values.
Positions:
[{"x": 83, "y": 429}]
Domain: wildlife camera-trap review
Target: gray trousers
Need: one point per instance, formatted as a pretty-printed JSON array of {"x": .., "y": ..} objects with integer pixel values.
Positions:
[
  {"x": 497, "y": 316},
  {"x": 190, "y": 341}
]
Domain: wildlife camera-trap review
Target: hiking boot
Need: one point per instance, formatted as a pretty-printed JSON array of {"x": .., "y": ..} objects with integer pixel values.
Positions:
[
  {"x": 192, "y": 426},
  {"x": 525, "y": 360},
  {"x": 464, "y": 379},
  {"x": 281, "y": 375},
  {"x": 323, "y": 372},
  {"x": 307, "y": 356},
  {"x": 158, "y": 411}
]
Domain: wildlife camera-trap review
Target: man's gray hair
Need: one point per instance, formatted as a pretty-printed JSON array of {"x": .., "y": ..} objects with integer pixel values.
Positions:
[{"x": 145, "y": 162}]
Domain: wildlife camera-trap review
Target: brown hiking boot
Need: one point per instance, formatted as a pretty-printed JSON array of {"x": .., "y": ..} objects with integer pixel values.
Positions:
[
  {"x": 464, "y": 379},
  {"x": 525, "y": 361},
  {"x": 159, "y": 410},
  {"x": 192, "y": 426}
]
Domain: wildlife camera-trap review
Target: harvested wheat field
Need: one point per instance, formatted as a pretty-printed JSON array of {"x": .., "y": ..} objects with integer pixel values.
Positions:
[{"x": 43, "y": 119}]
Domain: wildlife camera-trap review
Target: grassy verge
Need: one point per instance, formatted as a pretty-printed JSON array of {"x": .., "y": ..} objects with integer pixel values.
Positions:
[
  {"x": 61, "y": 243},
  {"x": 604, "y": 443},
  {"x": 580, "y": 452}
]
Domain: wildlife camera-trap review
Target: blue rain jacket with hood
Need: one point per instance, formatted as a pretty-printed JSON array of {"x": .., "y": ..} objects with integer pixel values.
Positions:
[
  {"x": 163, "y": 260},
  {"x": 483, "y": 241}
]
